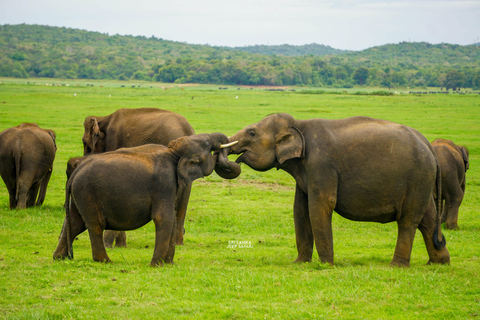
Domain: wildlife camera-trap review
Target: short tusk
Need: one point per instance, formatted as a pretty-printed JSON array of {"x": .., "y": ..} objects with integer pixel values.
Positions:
[{"x": 228, "y": 144}]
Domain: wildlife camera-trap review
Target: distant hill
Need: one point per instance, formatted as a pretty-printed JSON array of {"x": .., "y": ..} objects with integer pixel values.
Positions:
[
  {"x": 290, "y": 50},
  {"x": 29, "y": 51}
]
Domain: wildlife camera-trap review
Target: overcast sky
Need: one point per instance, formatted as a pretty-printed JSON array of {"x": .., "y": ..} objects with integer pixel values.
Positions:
[{"x": 348, "y": 25}]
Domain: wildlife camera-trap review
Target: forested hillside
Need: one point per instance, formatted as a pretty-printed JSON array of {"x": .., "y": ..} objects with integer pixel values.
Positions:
[
  {"x": 29, "y": 51},
  {"x": 289, "y": 50}
]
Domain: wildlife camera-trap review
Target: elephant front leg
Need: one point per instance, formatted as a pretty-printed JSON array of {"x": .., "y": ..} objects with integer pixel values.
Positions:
[
  {"x": 303, "y": 228},
  {"x": 165, "y": 232},
  {"x": 181, "y": 204}
]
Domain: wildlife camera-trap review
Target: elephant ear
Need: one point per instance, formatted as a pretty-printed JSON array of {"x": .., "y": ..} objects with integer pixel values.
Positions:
[
  {"x": 54, "y": 137},
  {"x": 464, "y": 152},
  {"x": 188, "y": 170},
  {"x": 289, "y": 144}
]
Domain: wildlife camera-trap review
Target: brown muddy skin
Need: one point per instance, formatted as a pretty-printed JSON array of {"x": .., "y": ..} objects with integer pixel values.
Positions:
[
  {"x": 365, "y": 169},
  {"x": 454, "y": 161}
]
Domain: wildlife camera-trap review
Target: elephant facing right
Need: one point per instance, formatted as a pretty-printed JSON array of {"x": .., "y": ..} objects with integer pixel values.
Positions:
[{"x": 454, "y": 163}]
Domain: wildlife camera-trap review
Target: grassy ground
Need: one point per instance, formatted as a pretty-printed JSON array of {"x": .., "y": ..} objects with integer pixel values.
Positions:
[{"x": 239, "y": 241}]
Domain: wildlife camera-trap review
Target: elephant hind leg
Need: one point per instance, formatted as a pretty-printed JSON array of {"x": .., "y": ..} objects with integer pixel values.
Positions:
[
  {"x": 403, "y": 248},
  {"x": 77, "y": 226},
  {"x": 99, "y": 253},
  {"x": 428, "y": 228}
]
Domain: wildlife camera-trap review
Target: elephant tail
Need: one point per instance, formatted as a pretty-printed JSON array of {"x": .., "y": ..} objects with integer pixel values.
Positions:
[
  {"x": 439, "y": 240},
  {"x": 68, "y": 205},
  {"x": 17, "y": 153}
]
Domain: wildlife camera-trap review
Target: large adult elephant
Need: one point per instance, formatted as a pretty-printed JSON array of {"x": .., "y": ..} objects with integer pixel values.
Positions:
[
  {"x": 364, "y": 169},
  {"x": 125, "y": 189},
  {"x": 454, "y": 163},
  {"x": 26, "y": 161},
  {"x": 135, "y": 127}
]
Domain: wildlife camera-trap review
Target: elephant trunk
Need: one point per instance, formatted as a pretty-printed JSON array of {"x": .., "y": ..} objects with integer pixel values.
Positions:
[{"x": 223, "y": 167}]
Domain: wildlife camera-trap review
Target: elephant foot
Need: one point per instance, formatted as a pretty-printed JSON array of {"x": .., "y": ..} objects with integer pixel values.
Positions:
[
  {"x": 400, "y": 262},
  {"x": 301, "y": 259},
  {"x": 451, "y": 226},
  {"x": 441, "y": 257}
]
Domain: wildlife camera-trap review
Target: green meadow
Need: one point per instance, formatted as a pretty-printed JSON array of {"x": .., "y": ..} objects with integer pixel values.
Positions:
[{"x": 237, "y": 261}]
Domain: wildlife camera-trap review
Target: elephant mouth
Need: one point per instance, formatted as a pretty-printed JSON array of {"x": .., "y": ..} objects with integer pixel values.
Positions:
[{"x": 243, "y": 154}]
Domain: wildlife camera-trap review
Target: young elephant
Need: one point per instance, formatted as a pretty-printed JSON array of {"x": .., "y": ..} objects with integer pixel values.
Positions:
[
  {"x": 454, "y": 163},
  {"x": 26, "y": 161},
  {"x": 125, "y": 189},
  {"x": 362, "y": 168}
]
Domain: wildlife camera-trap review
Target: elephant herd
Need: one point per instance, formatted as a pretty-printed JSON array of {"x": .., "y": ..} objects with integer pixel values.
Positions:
[{"x": 139, "y": 165}]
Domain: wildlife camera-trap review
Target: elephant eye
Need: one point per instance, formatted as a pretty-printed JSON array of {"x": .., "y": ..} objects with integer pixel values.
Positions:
[{"x": 251, "y": 133}]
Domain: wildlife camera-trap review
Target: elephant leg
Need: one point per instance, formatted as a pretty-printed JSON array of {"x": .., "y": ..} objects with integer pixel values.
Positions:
[
  {"x": 165, "y": 229},
  {"x": 121, "y": 239},
  {"x": 77, "y": 226},
  {"x": 320, "y": 211},
  {"x": 452, "y": 204},
  {"x": 10, "y": 182},
  {"x": 99, "y": 253},
  {"x": 403, "y": 248},
  {"x": 43, "y": 187},
  {"x": 181, "y": 204},
  {"x": 427, "y": 227},
  {"x": 109, "y": 238},
  {"x": 32, "y": 195},
  {"x": 303, "y": 228},
  {"x": 23, "y": 193}
]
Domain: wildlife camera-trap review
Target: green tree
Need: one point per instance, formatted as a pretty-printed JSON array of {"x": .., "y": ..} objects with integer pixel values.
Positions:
[
  {"x": 361, "y": 75},
  {"x": 454, "y": 80}
]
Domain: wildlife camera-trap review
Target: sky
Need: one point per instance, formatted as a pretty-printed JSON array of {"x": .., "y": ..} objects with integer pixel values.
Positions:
[{"x": 346, "y": 25}]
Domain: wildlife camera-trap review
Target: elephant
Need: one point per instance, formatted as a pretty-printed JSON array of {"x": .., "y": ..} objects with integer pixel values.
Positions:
[
  {"x": 135, "y": 127},
  {"x": 27, "y": 153},
  {"x": 454, "y": 163},
  {"x": 126, "y": 188},
  {"x": 362, "y": 168}
]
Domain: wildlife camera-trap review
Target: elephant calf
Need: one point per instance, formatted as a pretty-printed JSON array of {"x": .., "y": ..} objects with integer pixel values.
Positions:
[
  {"x": 126, "y": 188},
  {"x": 454, "y": 164},
  {"x": 26, "y": 161}
]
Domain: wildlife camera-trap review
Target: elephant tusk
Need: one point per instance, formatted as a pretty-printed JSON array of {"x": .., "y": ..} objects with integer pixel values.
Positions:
[{"x": 228, "y": 144}]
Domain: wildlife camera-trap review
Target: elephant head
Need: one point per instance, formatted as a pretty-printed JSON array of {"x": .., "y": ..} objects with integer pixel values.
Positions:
[
  {"x": 196, "y": 159},
  {"x": 93, "y": 138},
  {"x": 269, "y": 143}
]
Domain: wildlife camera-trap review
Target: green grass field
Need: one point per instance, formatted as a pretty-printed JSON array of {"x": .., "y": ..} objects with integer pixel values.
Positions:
[{"x": 211, "y": 278}]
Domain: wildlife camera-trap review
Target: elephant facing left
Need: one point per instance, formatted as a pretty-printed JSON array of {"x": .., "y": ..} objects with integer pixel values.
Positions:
[
  {"x": 125, "y": 189},
  {"x": 26, "y": 161}
]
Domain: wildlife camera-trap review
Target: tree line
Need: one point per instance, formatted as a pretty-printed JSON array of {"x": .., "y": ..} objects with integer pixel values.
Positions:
[{"x": 52, "y": 52}]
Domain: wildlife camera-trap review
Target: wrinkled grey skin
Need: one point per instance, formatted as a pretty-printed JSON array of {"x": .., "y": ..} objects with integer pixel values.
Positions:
[
  {"x": 126, "y": 188},
  {"x": 27, "y": 153},
  {"x": 364, "y": 169},
  {"x": 454, "y": 161},
  {"x": 135, "y": 127}
]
